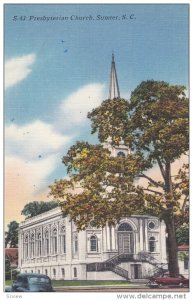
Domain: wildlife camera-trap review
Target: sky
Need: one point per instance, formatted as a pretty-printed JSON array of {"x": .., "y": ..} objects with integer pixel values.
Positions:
[{"x": 57, "y": 62}]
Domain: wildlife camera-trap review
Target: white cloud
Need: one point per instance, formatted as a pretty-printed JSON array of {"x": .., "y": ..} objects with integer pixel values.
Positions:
[
  {"x": 74, "y": 109},
  {"x": 34, "y": 139},
  {"x": 25, "y": 182},
  {"x": 17, "y": 69}
]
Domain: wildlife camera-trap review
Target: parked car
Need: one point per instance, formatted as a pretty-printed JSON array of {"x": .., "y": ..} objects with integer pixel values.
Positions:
[
  {"x": 7, "y": 288},
  {"x": 168, "y": 280},
  {"x": 32, "y": 282}
]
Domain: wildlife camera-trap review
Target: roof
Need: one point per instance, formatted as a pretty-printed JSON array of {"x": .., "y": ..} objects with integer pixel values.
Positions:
[
  {"x": 12, "y": 253},
  {"x": 183, "y": 247}
]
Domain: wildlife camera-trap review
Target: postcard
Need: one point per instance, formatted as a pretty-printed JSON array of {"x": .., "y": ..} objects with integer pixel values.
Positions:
[{"x": 96, "y": 160}]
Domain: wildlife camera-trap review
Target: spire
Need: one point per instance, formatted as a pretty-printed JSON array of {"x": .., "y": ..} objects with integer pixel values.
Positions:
[{"x": 113, "y": 86}]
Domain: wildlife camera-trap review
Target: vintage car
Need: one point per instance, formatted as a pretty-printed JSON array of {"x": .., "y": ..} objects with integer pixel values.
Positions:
[
  {"x": 32, "y": 282},
  {"x": 168, "y": 280}
]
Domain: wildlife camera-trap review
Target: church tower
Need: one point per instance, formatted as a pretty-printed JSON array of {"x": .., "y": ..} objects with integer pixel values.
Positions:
[
  {"x": 113, "y": 84},
  {"x": 114, "y": 92}
]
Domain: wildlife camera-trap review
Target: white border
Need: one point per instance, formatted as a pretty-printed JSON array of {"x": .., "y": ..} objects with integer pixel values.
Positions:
[{"x": 73, "y": 295}]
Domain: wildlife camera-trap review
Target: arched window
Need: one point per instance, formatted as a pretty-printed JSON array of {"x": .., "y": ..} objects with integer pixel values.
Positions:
[
  {"x": 26, "y": 246},
  {"x": 32, "y": 244},
  {"x": 63, "y": 272},
  {"x": 125, "y": 227},
  {"x": 62, "y": 239},
  {"x": 54, "y": 241},
  {"x": 75, "y": 272},
  {"x": 152, "y": 245},
  {"x": 121, "y": 154},
  {"x": 46, "y": 242},
  {"x": 54, "y": 272},
  {"x": 93, "y": 243},
  {"x": 39, "y": 244},
  {"x": 46, "y": 272}
]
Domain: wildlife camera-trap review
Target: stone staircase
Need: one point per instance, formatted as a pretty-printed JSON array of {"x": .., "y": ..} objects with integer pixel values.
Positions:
[{"x": 112, "y": 264}]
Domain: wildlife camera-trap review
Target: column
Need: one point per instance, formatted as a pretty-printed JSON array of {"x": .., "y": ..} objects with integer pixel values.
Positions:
[
  {"x": 108, "y": 237},
  {"x": 146, "y": 242},
  {"x": 113, "y": 237},
  {"x": 141, "y": 235}
]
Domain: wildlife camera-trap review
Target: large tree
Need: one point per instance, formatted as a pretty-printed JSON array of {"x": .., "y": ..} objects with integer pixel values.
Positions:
[
  {"x": 35, "y": 208},
  {"x": 154, "y": 125},
  {"x": 11, "y": 236}
]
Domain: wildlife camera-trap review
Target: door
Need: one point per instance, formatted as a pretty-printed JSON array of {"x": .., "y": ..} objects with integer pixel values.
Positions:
[
  {"x": 125, "y": 239},
  {"x": 136, "y": 271},
  {"x": 124, "y": 243}
]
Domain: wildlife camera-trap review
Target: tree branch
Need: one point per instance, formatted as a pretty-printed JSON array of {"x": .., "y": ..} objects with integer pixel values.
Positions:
[
  {"x": 151, "y": 180},
  {"x": 184, "y": 204},
  {"x": 163, "y": 172},
  {"x": 152, "y": 191}
]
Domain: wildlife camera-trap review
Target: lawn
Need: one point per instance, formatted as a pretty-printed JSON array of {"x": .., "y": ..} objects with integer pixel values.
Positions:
[
  {"x": 8, "y": 282},
  {"x": 88, "y": 282},
  {"x": 60, "y": 283}
]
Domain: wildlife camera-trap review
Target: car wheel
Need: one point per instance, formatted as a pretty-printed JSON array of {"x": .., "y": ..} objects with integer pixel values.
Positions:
[{"x": 182, "y": 285}]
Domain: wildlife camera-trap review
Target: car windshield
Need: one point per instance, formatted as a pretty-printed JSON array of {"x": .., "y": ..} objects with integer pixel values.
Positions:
[{"x": 38, "y": 280}]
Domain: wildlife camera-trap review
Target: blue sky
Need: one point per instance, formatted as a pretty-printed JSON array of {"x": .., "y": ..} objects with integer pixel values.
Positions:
[{"x": 57, "y": 71}]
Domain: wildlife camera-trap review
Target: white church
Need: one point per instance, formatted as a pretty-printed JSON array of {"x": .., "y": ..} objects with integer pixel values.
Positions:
[{"x": 133, "y": 249}]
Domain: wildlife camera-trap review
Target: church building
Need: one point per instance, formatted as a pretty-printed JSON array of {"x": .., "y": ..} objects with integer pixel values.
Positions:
[{"x": 133, "y": 249}]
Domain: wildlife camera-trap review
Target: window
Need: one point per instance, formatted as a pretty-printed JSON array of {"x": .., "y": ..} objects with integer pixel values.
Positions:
[
  {"x": 46, "y": 272},
  {"x": 75, "y": 244},
  {"x": 26, "y": 247},
  {"x": 75, "y": 272},
  {"x": 54, "y": 272},
  {"x": 125, "y": 227},
  {"x": 39, "y": 244},
  {"x": 151, "y": 225},
  {"x": 32, "y": 271},
  {"x": 63, "y": 272},
  {"x": 62, "y": 240},
  {"x": 121, "y": 154},
  {"x": 38, "y": 271},
  {"x": 32, "y": 243},
  {"x": 47, "y": 243},
  {"x": 152, "y": 247},
  {"x": 93, "y": 243},
  {"x": 54, "y": 241}
]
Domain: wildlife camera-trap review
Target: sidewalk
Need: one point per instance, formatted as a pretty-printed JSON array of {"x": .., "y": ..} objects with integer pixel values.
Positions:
[{"x": 101, "y": 287}]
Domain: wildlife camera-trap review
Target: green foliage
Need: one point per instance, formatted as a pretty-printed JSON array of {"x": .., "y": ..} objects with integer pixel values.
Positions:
[
  {"x": 154, "y": 124},
  {"x": 35, "y": 208},
  {"x": 106, "y": 189},
  {"x": 7, "y": 267},
  {"x": 11, "y": 236},
  {"x": 182, "y": 235}
]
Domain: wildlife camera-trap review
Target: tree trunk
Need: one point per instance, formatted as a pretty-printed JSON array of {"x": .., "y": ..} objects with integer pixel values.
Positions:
[
  {"x": 170, "y": 224},
  {"x": 172, "y": 246}
]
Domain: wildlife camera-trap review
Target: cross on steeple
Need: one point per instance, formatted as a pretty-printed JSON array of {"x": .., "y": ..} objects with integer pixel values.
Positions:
[{"x": 113, "y": 86}]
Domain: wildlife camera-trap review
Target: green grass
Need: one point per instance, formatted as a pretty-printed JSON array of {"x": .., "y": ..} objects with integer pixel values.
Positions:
[
  {"x": 8, "y": 282},
  {"x": 88, "y": 282},
  {"x": 60, "y": 283}
]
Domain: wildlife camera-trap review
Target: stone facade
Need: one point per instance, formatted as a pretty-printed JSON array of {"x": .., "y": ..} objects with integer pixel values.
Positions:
[{"x": 50, "y": 244}]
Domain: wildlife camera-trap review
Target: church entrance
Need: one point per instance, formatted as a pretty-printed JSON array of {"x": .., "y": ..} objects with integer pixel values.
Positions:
[
  {"x": 136, "y": 272},
  {"x": 125, "y": 239}
]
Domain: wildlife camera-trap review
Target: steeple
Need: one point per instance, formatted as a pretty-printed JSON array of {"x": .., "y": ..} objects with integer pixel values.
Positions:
[{"x": 113, "y": 86}]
